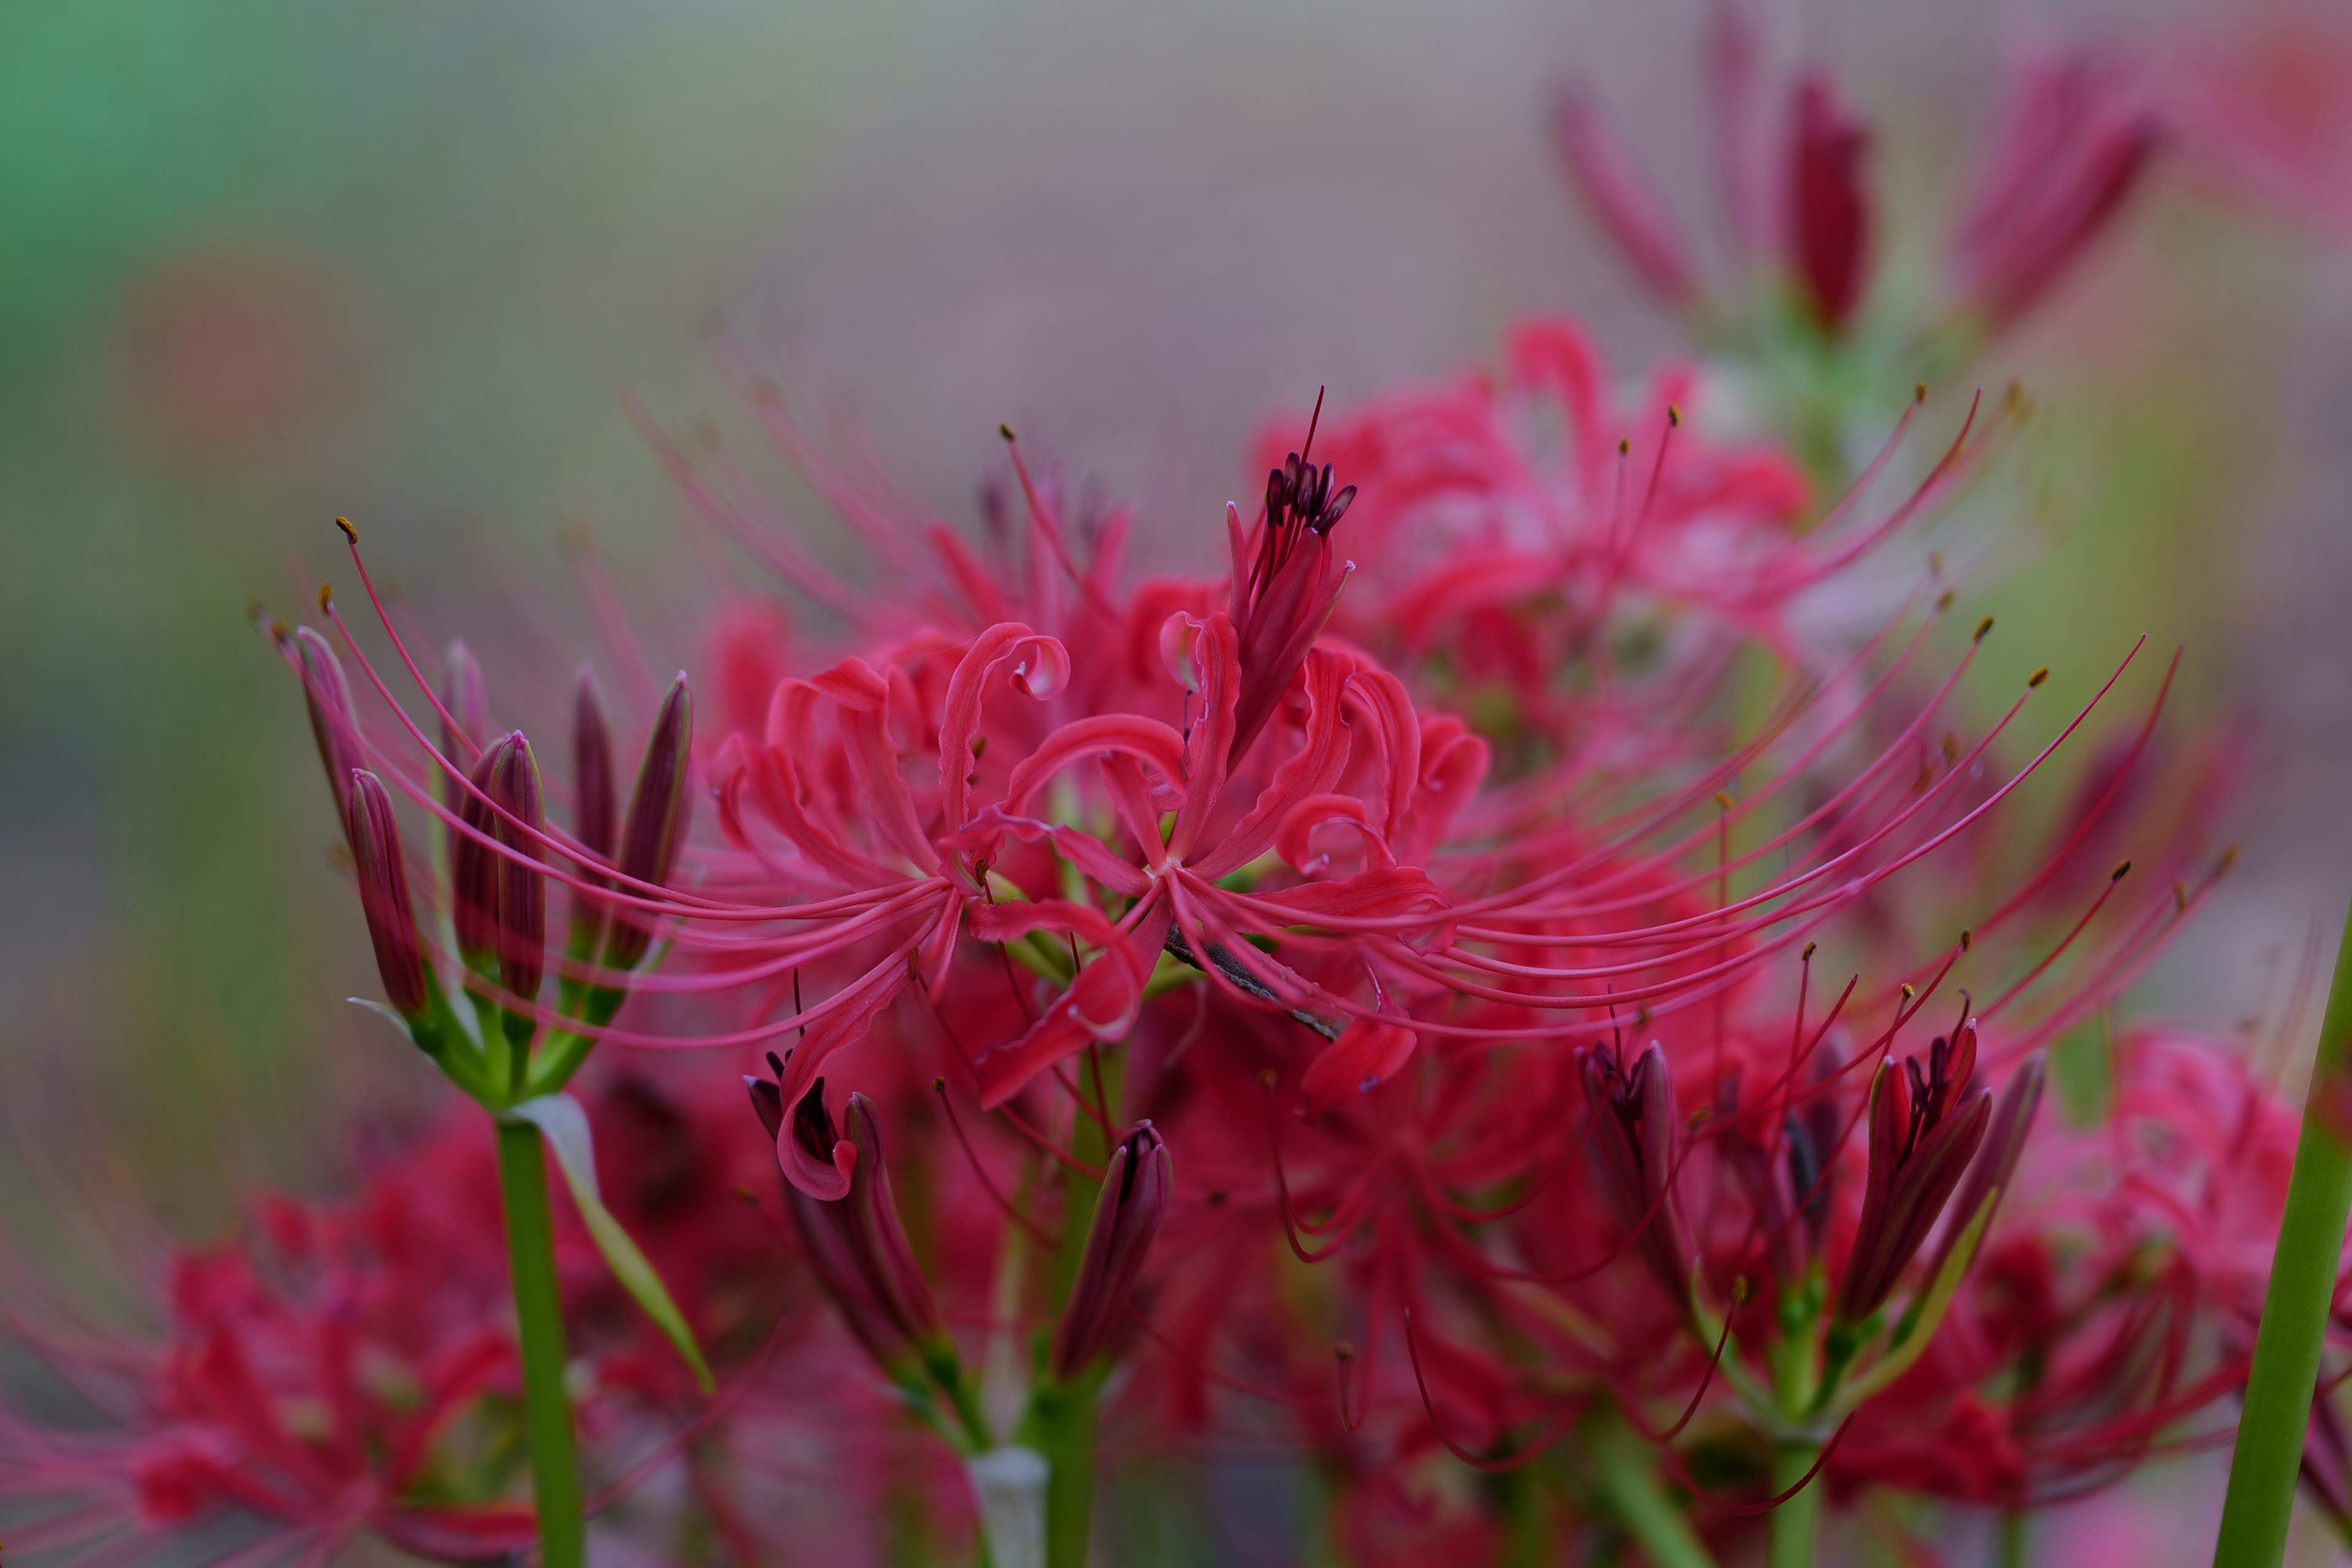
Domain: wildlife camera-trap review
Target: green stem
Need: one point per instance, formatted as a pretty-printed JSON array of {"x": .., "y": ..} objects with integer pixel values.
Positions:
[
  {"x": 1062, "y": 1424},
  {"x": 1796, "y": 1522},
  {"x": 1629, "y": 1481},
  {"x": 538, "y": 1315},
  {"x": 2009, "y": 1548},
  {"x": 2271, "y": 1429}
]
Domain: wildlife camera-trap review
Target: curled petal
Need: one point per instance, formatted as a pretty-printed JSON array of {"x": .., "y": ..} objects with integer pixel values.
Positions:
[
  {"x": 1294, "y": 840},
  {"x": 1147, "y": 741},
  {"x": 1041, "y": 668},
  {"x": 1369, "y": 1054}
]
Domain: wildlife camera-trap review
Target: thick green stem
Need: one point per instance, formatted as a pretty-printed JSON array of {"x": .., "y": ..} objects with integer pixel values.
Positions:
[
  {"x": 1063, "y": 1414},
  {"x": 1796, "y": 1522},
  {"x": 1062, "y": 1426},
  {"x": 538, "y": 1315},
  {"x": 1628, "y": 1475},
  {"x": 2269, "y": 1454}
]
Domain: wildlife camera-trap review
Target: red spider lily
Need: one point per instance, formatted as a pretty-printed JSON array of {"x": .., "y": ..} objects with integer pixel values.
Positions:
[
  {"x": 1236, "y": 858},
  {"x": 2262, "y": 108},
  {"x": 347, "y": 1368},
  {"x": 1513, "y": 527},
  {"x": 2077, "y": 133},
  {"x": 2074, "y": 138}
]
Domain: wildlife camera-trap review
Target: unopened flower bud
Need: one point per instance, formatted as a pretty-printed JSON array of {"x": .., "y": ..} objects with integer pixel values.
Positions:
[
  {"x": 500, "y": 890},
  {"x": 1829, "y": 215},
  {"x": 657, "y": 821},
  {"x": 335, "y": 723},
  {"x": 1137, "y": 1181},
  {"x": 856, "y": 1241},
  {"x": 592, "y": 767},
  {"x": 466, "y": 698},
  {"x": 1996, "y": 1160},
  {"x": 1635, "y": 1121},
  {"x": 374, "y": 834},
  {"x": 1924, "y": 1129},
  {"x": 595, "y": 815}
]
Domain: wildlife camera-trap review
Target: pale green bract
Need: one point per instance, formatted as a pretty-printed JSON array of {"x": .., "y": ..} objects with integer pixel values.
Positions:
[{"x": 564, "y": 1124}]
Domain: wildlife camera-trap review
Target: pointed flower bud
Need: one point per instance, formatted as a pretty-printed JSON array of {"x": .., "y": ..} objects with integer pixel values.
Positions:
[
  {"x": 500, "y": 892},
  {"x": 592, "y": 767},
  {"x": 374, "y": 834},
  {"x": 1829, "y": 209},
  {"x": 856, "y": 1241},
  {"x": 594, "y": 819},
  {"x": 1137, "y": 1183},
  {"x": 1636, "y": 1125},
  {"x": 657, "y": 821},
  {"x": 466, "y": 698},
  {"x": 1924, "y": 1129},
  {"x": 335, "y": 723},
  {"x": 1996, "y": 1160}
]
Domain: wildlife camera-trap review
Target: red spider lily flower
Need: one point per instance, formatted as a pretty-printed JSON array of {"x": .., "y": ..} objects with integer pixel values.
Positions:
[
  {"x": 1517, "y": 524},
  {"x": 1235, "y": 859},
  {"x": 1923, "y": 1130},
  {"x": 2074, "y": 138},
  {"x": 2260, "y": 108},
  {"x": 1829, "y": 206},
  {"x": 2078, "y": 131},
  {"x": 1137, "y": 1184},
  {"x": 350, "y": 1368},
  {"x": 374, "y": 835}
]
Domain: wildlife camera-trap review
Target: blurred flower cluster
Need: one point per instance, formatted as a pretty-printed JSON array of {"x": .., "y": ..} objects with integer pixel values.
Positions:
[{"x": 1535, "y": 991}]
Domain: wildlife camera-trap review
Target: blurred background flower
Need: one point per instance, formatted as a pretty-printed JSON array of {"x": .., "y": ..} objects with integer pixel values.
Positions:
[{"x": 404, "y": 262}]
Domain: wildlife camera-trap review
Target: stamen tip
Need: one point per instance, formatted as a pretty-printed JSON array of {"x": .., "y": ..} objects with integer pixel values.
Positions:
[
  {"x": 1968, "y": 940},
  {"x": 2120, "y": 872},
  {"x": 1811, "y": 948},
  {"x": 1918, "y": 392},
  {"x": 326, "y": 597},
  {"x": 1909, "y": 991},
  {"x": 1006, "y": 431},
  {"x": 2040, "y": 675},
  {"x": 1983, "y": 626},
  {"x": 349, "y": 532},
  {"x": 1674, "y": 416}
]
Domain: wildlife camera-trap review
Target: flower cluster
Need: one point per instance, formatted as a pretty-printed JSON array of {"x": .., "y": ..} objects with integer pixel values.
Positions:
[{"x": 1477, "y": 976}]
